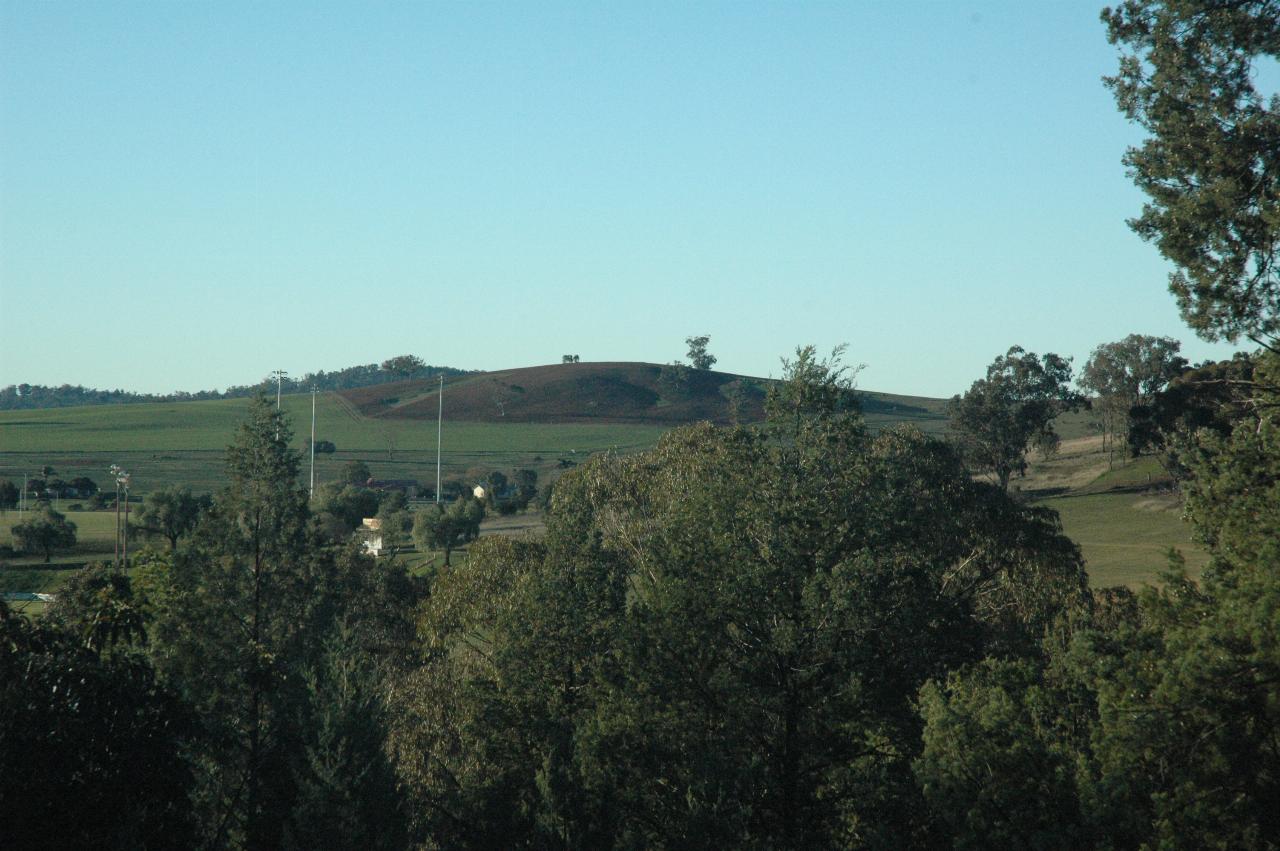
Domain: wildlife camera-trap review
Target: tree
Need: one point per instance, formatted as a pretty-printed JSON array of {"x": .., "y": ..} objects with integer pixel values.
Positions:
[
  {"x": 1011, "y": 410},
  {"x": 526, "y": 486},
  {"x": 45, "y": 532},
  {"x": 395, "y": 521},
  {"x": 673, "y": 381},
  {"x": 85, "y": 486},
  {"x": 355, "y": 473},
  {"x": 699, "y": 357},
  {"x": 719, "y": 642},
  {"x": 8, "y": 495},
  {"x": 1128, "y": 374},
  {"x": 171, "y": 513},
  {"x": 569, "y": 358},
  {"x": 111, "y": 772},
  {"x": 1210, "y": 165},
  {"x": 405, "y": 366},
  {"x": 236, "y": 633},
  {"x": 446, "y": 528}
]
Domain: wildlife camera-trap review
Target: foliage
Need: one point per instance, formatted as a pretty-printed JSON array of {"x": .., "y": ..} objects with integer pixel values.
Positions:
[
  {"x": 1210, "y": 166},
  {"x": 447, "y": 528},
  {"x": 355, "y": 473},
  {"x": 171, "y": 513},
  {"x": 347, "y": 504},
  {"x": 37, "y": 396},
  {"x": 1128, "y": 374},
  {"x": 8, "y": 495},
  {"x": 97, "y": 606},
  {"x": 718, "y": 643},
  {"x": 1207, "y": 397},
  {"x": 404, "y": 366},
  {"x": 699, "y": 357},
  {"x": 1003, "y": 415},
  {"x": 90, "y": 746},
  {"x": 244, "y": 618},
  {"x": 673, "y": 381},
  {"x": 570, "y": 359},
  {"x": 84, "y": 486},
  {"x": 45, "y": 531}
]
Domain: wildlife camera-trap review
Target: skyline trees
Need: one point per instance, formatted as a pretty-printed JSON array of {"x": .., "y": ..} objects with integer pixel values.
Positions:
[
  {"x": 1128, "y": 374},
  {"x": 1012, "y": 410}
]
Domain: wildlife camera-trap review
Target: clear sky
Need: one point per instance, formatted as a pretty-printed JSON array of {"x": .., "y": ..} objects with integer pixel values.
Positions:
[{"x": 195, "y": 194}]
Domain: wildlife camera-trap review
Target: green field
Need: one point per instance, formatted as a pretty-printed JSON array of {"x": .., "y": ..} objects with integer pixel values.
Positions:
[
  {"x": 184, "y": 443},
  {"x": 1126, "y": 537},
  {"x": 95, "y": 541},
  {"x": 1123, "y": 529}
]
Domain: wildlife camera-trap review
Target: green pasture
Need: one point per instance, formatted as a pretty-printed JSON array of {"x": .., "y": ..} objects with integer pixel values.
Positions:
[
  {"x": 95, "y": 541},
  {"x": 1126, "y": 536},
  {"x": 184, "y": 443}
]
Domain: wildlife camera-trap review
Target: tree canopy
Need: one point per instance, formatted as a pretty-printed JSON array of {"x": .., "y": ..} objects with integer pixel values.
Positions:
[
  {"x": 1005, "y": 414},
  {"x": 1210, "y": 165}
]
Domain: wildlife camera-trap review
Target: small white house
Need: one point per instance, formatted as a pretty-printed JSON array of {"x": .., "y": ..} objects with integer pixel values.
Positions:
[
  {"x": 372, "y": 528},
  {"x": 479, "y": 492}
]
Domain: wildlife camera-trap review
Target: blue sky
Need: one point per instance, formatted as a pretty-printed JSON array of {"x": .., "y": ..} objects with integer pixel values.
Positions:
[{"x": 195, "y": 194}]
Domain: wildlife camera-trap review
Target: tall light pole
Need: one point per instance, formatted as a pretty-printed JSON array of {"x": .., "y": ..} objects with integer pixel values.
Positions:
[
  {"x": 439, "y": 432},
  {"x": 279, "y": 374},
  {"x": 313, "y": 442},
  {"x": 125, "y": 482},
  {"x": 115, "y": 474}
]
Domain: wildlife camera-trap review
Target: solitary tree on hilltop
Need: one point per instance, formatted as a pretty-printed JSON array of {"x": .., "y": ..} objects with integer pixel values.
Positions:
[{"x": 699, "y": 357}]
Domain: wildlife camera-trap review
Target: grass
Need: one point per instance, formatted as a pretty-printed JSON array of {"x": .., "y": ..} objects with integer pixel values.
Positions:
[
  {"x": 184, "y": 443},
  {"x": 1104, "y": 505},
  {"x": 1125, "y": 537}
]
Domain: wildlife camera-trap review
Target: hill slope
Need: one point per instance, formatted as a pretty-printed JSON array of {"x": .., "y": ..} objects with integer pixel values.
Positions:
[{"x": 604, "y": 393}]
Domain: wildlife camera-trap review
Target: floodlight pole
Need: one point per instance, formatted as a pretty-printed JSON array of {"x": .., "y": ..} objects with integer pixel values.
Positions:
[
  {"x": 439, "y": 432},
  {"x": 126, "y": 522},
  {"x": 313, "y": 442}
]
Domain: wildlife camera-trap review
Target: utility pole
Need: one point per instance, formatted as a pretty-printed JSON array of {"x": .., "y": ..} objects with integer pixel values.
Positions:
[
  {"x": 115, "y": 474},
  {"x": 439, "y": 432},
  {"x": 126, "y": 521},
  {"x": 313, "y": 442},
  {"x": 279, "y": 374}
]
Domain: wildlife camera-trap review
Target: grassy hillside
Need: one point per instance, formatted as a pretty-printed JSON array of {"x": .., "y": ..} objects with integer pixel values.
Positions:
[{"x": 555, "y": 416}]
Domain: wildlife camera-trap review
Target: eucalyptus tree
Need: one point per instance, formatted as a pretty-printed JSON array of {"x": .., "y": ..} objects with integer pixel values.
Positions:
[
  {"x": 1012, "y": 410},
  {"x": 719, "y": 643}
]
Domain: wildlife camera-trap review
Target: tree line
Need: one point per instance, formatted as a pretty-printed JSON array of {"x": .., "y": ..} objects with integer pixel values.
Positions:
[
  {"x": 799, "y": 634},
  {"x": 32, "y": 396}
]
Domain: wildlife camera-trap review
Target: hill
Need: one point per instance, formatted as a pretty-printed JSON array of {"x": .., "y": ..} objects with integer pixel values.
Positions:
[{"x": 613, "y": 393}]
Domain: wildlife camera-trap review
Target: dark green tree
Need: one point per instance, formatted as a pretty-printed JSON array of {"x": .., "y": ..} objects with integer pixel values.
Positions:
[
  {"x": 1012, "y": 410},
  {"x": 447, "y": 528},
  {"x": 243, "y": 609},
  {"x": 1210, "y": 165},
  {"x": 90, "y": 745},
  {"x": 85, "y": 486},
  {"x": 8, "y": 495},
  {"x": 1128, "y": 374},
  {"x": 405, "y": 366},
  {"x": 719, "y": 643},
  {"x": 699, "y": 357},
  {"x": 45, "y": 531},
  {"x": 355, "y": 473},
  {"x": 171, "y": 513}
]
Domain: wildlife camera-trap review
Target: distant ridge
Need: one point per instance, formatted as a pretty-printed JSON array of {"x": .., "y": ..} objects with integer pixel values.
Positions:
[
  {"x": 608, "y": 393},
  {"x": 29, "y": 397}
]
